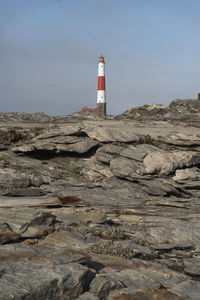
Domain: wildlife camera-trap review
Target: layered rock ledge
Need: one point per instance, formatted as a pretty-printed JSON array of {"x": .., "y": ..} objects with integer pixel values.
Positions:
[{"x": 95, "y": 208}]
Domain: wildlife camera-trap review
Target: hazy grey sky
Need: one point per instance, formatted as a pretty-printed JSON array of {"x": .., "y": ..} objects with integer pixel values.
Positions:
[{"x": 49, "y": 51}]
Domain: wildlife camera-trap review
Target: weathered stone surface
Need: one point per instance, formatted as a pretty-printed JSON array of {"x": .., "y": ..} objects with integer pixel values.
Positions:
[
  {"x": 126, "y": 168},
  {"x": 63, "y": 130},
  {"x": 7, "y": 237},
  {"x": 103, "y": 157},
  {"x": 40, "y": 255},
  {"x": 107, "y": 134},
  {"x": 13, "y": 178},
  {"x": 139, "y": 152},
  {"x": 150, "y": 294},
  {"x": 102, "y": 285},
  {"x": 80, "y": 145},
  {"x": 95, "y": 171},
  {"x": 164, "y": 187},
  {"x": 105, "y": 153},
  {"x": 166, "y": 163},
  {"x": 192, "y": 266},
  {"x": 174, "y": 232},
  {"x": 150, "y": 277},
  {"x": 28, "y": 223},
  {"x": 69, "y": 240},
  {"x": 67, "y": 281},
  {"x": 111, "y": 149},
  {"x": 129, "y": 232},
  {"x": 189, "y": 173},
  {"x": 188, "y": 289}
]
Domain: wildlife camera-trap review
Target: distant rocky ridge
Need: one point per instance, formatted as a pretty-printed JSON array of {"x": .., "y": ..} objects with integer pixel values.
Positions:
[
  {"x": 44, "y": 118},
  {"x": 177, "y": 108},
  {"x": 101, "y": 208}
]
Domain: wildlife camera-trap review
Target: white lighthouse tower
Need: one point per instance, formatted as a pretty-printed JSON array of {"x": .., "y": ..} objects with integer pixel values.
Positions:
[{"x": 101, "y": 90}]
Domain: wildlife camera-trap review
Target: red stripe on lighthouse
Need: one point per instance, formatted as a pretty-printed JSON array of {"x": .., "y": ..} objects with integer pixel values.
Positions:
[{"x": 101, "y": 83}]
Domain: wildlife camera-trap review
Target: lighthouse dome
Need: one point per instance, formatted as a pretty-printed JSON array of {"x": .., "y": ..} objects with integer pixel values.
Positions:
[{"x": 101, "y": 58}]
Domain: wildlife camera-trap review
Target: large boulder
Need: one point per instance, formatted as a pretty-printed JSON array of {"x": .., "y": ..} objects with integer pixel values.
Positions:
[
  {"x": 165, "y": 163},
  {"x": 188, "y": 173}
]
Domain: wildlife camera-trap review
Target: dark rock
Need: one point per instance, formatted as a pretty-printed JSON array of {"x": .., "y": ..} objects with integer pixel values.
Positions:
[
  {"x": 102, "y": 285},
  {"x": 69, "y": 240},
  {"x": 192, "y": 266},
  {"x": 67, "y": 281},
  {"x": 139, "y": 152},
  {"x": 40, "y": 255},
  {"x": 7, "y": 237},
  {"x": 188, "y": 289},
  {"x": 126, "y": 168},
  {"x": 103, "y": 157},
  {"x": 150, "y": 294}
]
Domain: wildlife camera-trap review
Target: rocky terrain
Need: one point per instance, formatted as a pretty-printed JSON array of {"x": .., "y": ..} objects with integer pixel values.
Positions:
[{"x": 94, "y": 208}]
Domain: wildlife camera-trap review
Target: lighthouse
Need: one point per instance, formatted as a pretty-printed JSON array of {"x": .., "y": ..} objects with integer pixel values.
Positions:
[{"x": 101, "y": 90}]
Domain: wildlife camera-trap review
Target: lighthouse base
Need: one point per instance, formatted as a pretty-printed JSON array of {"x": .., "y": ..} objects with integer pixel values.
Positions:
[{"x": 102, "y": 108}]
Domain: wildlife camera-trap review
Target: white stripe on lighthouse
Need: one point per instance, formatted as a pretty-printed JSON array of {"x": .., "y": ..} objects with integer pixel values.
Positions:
[
  {"x": 101, "y": 96},
  {"x": 101, "y": 69}
]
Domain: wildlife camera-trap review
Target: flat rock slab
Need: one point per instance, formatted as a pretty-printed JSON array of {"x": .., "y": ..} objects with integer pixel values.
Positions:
[
  {"x": 27, "y": 223},
  {"x": 69, "y": 240},
  {"x": 126, "y": 168},
  {"x": 139, "y": 152},
  {"x": 42, "y": 272},
  {"x": 77, "y": 145},
  {"x": 111, "y": 134},
  {"x": 169, "y": 247},
  {"x": 29, "y": 201},
  {"x": 64, "y": 130},
  {"x": 40, "y": 255},
  {"x": 192, "y": 266},
  {"x": 149, "y": 294},
  {"x": 131, "y": 131},
  {"x": 189, "y": 289},
  {"x": 25, "y": 281}
]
